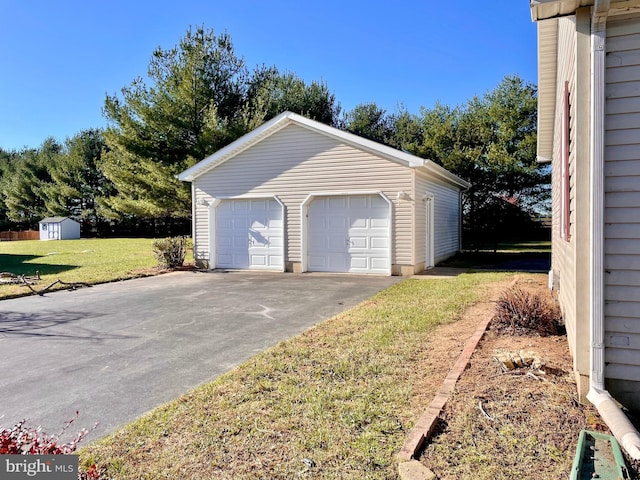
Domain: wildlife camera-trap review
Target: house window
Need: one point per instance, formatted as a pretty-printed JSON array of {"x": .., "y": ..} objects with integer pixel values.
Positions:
[{"x": 565, "y": 182}]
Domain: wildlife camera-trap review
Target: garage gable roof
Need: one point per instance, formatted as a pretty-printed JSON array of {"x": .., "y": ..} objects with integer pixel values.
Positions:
[{"x": 288, "y": 118}]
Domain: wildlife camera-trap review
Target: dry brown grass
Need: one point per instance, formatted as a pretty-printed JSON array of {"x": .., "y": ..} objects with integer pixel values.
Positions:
[{"x": 523, "y": 423}]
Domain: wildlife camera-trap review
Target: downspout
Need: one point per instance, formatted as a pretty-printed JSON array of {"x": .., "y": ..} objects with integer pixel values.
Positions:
[{"x": 609, "y": 410}]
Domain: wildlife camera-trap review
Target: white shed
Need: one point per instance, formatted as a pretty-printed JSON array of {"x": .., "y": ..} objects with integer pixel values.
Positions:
[
  {"x": 297, "y": 195},
  {"x": 59, "y": 228}
]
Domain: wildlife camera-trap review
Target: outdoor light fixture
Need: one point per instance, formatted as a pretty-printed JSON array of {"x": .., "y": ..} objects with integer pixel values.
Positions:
[{"x": 402, "y": 195}]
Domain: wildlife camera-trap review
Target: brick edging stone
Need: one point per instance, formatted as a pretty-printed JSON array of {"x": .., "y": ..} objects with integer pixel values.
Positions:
[{"x": 425, "y": 425}]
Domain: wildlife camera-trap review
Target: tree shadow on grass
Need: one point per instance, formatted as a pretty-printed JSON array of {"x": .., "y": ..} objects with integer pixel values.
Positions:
[
  {"x": 52, "y": 324},
  {"x": 501, "y": 261},
  {"x": 17, "y": 264}
]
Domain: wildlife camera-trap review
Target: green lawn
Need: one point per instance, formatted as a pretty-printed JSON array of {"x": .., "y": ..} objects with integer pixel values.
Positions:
[
  {"x": 334, "y": 402},
  {"x": 90, "y": 261}
]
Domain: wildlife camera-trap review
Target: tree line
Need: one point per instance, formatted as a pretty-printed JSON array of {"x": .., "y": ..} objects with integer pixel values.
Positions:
[{"x": 200, "y": 96}]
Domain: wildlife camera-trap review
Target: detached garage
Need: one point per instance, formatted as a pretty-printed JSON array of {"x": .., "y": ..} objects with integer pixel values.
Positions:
[{"x": 297, "y": 195}]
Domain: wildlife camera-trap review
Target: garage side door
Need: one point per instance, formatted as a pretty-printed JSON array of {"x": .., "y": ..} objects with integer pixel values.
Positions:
[
  {"x": 249, "y": 234},
  {"x": 349, "y": 234}
]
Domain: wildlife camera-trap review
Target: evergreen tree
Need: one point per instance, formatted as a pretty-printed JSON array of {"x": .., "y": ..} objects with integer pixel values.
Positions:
[
  {"x": 270, "y": 93},
  {"x": 28, "y": 179},
  {"x": 76, "y": 180},
  {"x": 491, "y": 142},
  {"x": 200, "y": 97},
  {"x": 369, "y": 121}
]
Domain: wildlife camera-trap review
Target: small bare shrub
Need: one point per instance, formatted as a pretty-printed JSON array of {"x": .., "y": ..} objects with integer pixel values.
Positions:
[
  {"x": 519, "y": 312},
  {"x": 170, "y": 251}
]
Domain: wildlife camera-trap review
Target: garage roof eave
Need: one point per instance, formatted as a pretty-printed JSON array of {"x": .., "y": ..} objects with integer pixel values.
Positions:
[
  {"x": 543, "y": 9},
  {"x": 288, "y": 118},
  {"x": 439, "y": 171}
]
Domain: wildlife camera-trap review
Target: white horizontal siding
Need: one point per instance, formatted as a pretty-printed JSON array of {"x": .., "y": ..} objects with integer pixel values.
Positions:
[
  {"x": 629, "y": 278},
  {"x": 622, "y": 105},
  {"x": 624, "y": 325},
  {"x": 446, "y": 213},
  {"x": 622, "y": 203},
  {"x": 619, "y": 371},
  {"x": 621, "y": 309},
  {"x": 294, "y": 162},
  {"x": 564, "y": 252}
]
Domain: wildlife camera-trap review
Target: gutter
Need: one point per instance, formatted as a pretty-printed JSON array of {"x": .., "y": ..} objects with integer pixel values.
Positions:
[{"x": 624, "y": 431}]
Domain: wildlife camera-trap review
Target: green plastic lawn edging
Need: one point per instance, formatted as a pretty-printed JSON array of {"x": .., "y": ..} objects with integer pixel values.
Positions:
[{"x": 598, "y": 456}]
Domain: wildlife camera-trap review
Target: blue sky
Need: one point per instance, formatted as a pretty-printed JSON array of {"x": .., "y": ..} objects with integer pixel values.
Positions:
[{"x": 58, "y": 59}]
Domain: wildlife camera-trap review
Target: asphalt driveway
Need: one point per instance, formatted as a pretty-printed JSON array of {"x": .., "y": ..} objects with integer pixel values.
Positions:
[{"x": 115, "y": 351}]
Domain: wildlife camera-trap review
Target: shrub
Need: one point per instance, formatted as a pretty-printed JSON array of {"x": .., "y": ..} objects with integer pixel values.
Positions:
[
  {"x": 520, "y": 313},
  {"x": 25, "y": 440},
  {"x": 170, "y": 251}
]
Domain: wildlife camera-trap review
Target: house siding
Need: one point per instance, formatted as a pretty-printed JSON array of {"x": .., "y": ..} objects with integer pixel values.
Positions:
[
  {"x": 564, "y": 252},
  {"x": 570, "y": 257},
  {"x": 291, "y": 164},
  {"x": 446, "y": 221},
  {"x": 622, "y": 208}
]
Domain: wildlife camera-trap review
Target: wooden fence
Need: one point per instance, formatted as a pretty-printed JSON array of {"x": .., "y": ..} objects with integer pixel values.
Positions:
[{"x": 23, "y": 235}]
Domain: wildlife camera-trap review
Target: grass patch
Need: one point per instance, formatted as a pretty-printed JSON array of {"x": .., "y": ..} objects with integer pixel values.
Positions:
[
  {"x": 334, "y": 402},
  {"x": 87, "y": 260}
]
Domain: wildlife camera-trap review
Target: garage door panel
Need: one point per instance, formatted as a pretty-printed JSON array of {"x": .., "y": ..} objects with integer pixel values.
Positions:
[
  {"x": 382, "y": 223},
  {"x": 337, "y": 263},
  {"x": 357, "y": 222},
  {"x": 359, "y": 263},
  {"x": 335, "y": 202},
  {"x": 239, "y": 206},
  {"x": 249, "y": 234},
  {"x": 318, "y": 263},
  {"x": 379, "y": 263},
  {"x": 240, "y": 260},
  {"x": 275, "y": 241},
  {"x": 349, "y": 234},
  {"x": 336, "y": 222},
  {"x": 316, "y": 242},
  {"x": 358, "y": 242},
  {"x": 359, "y": 202},
  {"x": 336, "y": 243},
  {"x": 379, "y": 242}
]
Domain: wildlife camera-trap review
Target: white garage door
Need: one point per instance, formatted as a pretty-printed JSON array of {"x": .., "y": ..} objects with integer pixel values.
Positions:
[
  {"x": 249, "y": 234},
  {"x": 349, "y": 234}
]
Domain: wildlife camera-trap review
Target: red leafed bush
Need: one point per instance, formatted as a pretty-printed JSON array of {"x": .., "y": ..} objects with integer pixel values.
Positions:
[
  {"x": 23, "y": 439},
  {"x": 92, "y": 473}
]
